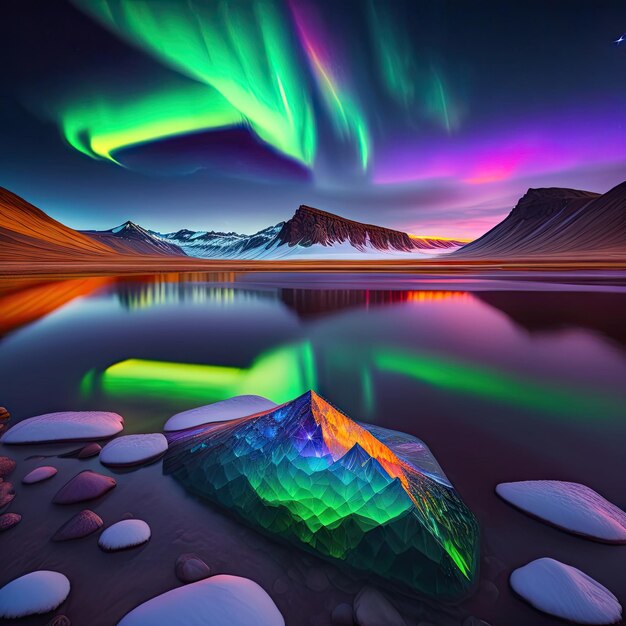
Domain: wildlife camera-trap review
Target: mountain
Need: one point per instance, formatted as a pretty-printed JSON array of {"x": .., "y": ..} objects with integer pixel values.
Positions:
[
  {"x": 309, "y": 233},
  {"x": 28, "y": 234},
  {"x": 129, "y": 238},
  {"x": 218, "y": 245},
  {"x": 557, "y": 223}
]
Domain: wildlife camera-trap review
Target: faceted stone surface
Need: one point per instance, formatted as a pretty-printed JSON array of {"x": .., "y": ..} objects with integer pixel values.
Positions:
[{"x": 373, "y": 499}]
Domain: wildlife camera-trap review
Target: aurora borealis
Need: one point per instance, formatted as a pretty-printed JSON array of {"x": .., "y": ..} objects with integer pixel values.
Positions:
[{"x": 432, "y": 118}]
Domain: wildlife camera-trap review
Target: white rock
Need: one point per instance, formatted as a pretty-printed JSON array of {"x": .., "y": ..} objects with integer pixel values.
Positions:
[
  {"x": 65, "y": 426},
  {"x": 233, "y": 408},
  {"x": 38, "y": 592},
  {"x": 215, "y": 601},
  {"x": 565, "y": 592},
  {"x": 125, "y": 534},
  {"x": 38, "y": 474},
  {"x": 133, "y": 449},
  {"x": 570, "y": 506}
]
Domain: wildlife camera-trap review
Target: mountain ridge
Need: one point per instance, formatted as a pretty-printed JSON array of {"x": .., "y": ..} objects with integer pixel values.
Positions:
[
  {"x": 27, "y": 233},
  {"x": 557, "y": 222},
  {"x": 309, "y": 231}
]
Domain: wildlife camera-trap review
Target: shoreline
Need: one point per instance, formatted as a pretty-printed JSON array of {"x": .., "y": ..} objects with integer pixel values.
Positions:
[{"x": 157, "y": 265}]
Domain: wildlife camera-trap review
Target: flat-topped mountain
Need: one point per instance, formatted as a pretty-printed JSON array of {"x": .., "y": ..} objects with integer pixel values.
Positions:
[
  {"x": 310, "y": 226},
  {"x": 559, "y": 223}
]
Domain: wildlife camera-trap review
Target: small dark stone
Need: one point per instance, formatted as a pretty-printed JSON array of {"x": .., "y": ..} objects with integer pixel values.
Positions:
[
  {"x": 342, "y": 615},
  {"x": 316, "y": 579},
  {"x": 7, "y": 493},
  {"x": 90, "y": 450},
  {"x": 281, "y": 585},
  {"x": 86, "y": 485},
  {"x": 7, "y": 465},
  {"x": 295, "y": 574},
  {"x": 8, "y": 520},
  {"x": 372, "y": 608},
  {"x": 488, "y": 591},
  {"x": 80, "y": 525},
  {"x": 191, "y": 568},
  {"x": 59, "y": 620},
  {"x": 492, "y": 567}
]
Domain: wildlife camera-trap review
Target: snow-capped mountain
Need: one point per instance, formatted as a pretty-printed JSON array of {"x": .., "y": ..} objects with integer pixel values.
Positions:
[
  {"x": 132, "y": 238},
  {"x": 310, "y": 233},
  {"x": 222, "y": 245}
]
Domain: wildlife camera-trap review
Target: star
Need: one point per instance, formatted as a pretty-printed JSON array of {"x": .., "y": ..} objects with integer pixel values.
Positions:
[{"x": 620, "y": 39}]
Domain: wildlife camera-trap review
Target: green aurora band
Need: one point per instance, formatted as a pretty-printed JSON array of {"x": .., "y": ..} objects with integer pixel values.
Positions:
[
  {"x": 101, "y": 125},
  {"x": 271, "y": 66},
  {"x": 242, "y": 51},
  {"x": 283, "y": 373}
]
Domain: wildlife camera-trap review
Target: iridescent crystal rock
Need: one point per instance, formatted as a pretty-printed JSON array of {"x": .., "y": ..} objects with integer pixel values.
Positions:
[{"x": 373, "y": 499}]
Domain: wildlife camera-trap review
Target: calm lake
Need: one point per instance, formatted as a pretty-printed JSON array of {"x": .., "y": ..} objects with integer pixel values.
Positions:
[{"x": 523, "y": 378}]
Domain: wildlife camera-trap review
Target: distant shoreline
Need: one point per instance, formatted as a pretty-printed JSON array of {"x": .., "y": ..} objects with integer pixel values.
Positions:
[{"x": 156, "y": 265}]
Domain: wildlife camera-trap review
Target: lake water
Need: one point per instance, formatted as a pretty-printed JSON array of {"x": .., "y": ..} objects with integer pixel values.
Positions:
[{"x": 523, "y": 378}]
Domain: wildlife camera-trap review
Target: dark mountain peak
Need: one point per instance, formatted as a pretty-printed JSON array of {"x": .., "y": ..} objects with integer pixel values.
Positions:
[
  {"x": 311, "y": 226},
  {"x": 558, "y": 222},
  {"x": 132, "y": 238},
  {"x": 128, "y": 227},
  {"x": 544, "y": 201}
]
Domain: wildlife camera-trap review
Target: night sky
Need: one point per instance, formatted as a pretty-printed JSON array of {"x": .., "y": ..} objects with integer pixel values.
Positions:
[{"x": 430, "y": 117}]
